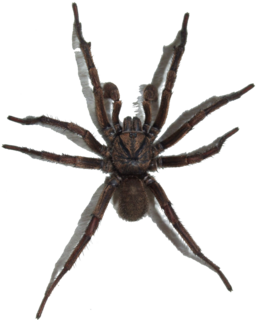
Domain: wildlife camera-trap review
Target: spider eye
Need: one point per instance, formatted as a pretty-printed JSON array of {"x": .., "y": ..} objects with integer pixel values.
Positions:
[{"x": 133, "y": 135}]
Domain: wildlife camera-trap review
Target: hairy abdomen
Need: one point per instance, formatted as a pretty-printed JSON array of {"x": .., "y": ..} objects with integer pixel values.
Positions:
[{"x": 133, "y": 200}]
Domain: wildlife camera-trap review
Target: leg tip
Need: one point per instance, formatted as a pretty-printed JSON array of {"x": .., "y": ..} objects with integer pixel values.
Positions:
[{"x": 248, "y": 88}]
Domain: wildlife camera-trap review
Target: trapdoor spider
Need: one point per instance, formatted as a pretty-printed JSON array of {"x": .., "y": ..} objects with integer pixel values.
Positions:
[{"x": 131, "y": 151}]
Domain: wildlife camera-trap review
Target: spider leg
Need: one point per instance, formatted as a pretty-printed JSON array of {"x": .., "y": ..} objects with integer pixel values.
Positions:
[
  {"x": 74, "y": 161},
  {"x": 194, "y": 156},
  {"x": 88, "y": 138},
  {"x": 111, "y": 91},
  {"x": 98, "y": 91},
  {"x": 165, "y": 204},
  {"x": 89, "y": 232},
  {"x": 115, "y": 115},
  {"x": 170, "y": 80},
  {"x": 199, "y": 116},
  {"x": 147, "y": 110}
]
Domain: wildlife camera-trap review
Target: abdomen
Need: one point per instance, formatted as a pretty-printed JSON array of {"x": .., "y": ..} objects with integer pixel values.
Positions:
[{"x": 132, "y": 198}]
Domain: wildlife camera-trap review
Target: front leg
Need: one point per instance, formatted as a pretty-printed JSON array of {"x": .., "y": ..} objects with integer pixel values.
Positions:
[
  {"x": 165, "y": 204},
  {"x": 170, "y": 80},
  {"x": 198, "y": 117},
  {"x": 97, "y": 89},
  {"x": 97, "y": 215}
]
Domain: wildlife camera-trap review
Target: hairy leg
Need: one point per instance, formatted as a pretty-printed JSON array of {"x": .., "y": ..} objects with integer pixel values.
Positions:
[
  {"x": 147, "y": 111},
  {"x": 85, "y": 134},
  {"x": 195, "y": 156},
  {"x": 98, "y": 91},
  {"x": 97, "y": 215},
  {"x": 77, "y": 162},
  {"x": 171, "y": 77},
  {"x": 111, "y": 91},
  {"x": 165, "y": 204},
  {"x": 115, "y": 116},
  {"x": 186, "y": 127}
]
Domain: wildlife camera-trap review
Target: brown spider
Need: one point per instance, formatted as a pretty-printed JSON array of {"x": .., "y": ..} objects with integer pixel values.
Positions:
[{"x": 131, "y": 152}]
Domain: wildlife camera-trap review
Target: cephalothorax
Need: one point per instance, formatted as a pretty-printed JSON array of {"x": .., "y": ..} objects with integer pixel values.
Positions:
[{"x": 131, "y": 151}]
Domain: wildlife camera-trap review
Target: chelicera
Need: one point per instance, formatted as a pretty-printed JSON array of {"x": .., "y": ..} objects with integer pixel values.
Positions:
[{"x": 131, "y": 151}]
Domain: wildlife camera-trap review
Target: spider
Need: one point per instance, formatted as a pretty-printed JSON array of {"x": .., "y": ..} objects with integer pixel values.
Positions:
[{"x": 131, "y": 151}]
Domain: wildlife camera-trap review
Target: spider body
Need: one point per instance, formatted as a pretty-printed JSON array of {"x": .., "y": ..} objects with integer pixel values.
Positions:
[{"x": 131, "y": 152}]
